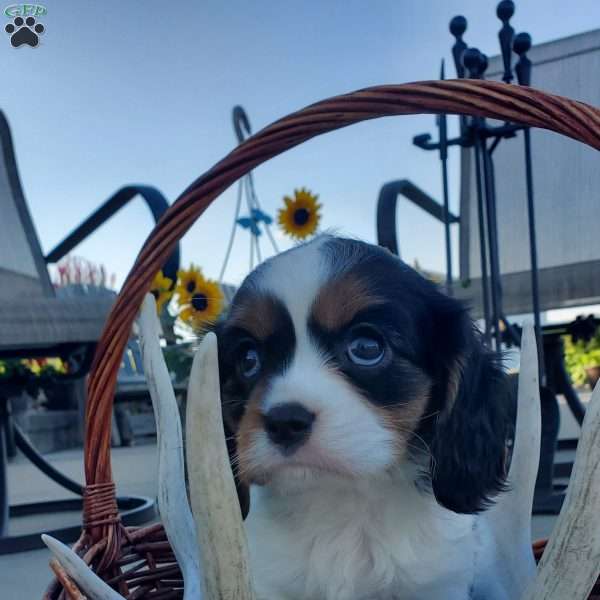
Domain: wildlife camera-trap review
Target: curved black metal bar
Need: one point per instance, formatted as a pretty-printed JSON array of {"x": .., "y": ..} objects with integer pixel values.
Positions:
[
  {"x": 157, "y": 204},
  {"x": 556, "y": 371},
  {"x": 571, "y": 396},
  {"x": 133, "y": 510},
  {"x": 27, "y": 448},
  {"x": 387, "y": 235},
  {"x": 241, "y": 123}
]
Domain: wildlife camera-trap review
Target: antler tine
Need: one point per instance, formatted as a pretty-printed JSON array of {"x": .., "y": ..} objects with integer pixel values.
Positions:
[
  {"x": 89, "y": 583},
  {"x": 172, "y": 496},
  {"x": 212, "y": 490},
  {"x": 571, "y": 562}
]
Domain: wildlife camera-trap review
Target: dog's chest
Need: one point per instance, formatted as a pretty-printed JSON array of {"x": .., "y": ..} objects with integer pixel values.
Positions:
[{"x": 335, "y": 543}]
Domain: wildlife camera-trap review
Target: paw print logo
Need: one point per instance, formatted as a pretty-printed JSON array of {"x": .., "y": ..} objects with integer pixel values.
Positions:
[{"x": 24, "y": 31}]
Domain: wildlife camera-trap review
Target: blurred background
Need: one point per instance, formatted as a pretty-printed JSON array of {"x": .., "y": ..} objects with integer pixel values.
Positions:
[{"x": 142, "y": 91}]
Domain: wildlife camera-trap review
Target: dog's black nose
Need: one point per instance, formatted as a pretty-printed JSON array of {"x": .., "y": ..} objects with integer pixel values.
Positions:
[{"x": 288, "y": 425}]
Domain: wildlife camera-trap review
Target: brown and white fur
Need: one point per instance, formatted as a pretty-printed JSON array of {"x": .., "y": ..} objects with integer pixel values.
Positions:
[{"x": 370, "y": 425}]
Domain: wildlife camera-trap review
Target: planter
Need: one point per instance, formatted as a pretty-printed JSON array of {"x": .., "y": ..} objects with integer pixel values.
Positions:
[{"x": 593, "y": 375}]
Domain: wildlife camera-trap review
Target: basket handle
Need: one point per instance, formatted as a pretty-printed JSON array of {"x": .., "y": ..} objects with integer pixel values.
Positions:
[{"x": 519, "y": 104}]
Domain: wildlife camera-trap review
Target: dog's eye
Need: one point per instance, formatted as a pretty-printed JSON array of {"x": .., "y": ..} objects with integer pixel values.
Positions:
[
  {"x": 249, "y": 363},
  {"x": 365, "y": 351}
]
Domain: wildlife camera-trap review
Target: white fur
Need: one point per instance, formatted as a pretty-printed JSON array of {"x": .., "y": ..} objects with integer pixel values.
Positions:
[
  {"x": 320, "y": 536},
  {"x": 347, "y": 434},
  {"x": 332, "y": 538},
  {"x": 296, "y": 282}
]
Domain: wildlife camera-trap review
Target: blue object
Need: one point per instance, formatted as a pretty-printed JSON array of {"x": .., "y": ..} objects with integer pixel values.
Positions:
[
  {"x": 260, "y": 216},
  {"x": 252, "y": 222}
]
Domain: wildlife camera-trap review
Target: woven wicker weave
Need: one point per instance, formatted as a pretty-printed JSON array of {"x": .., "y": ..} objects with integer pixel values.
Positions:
[{"x": 139, "y": 562}]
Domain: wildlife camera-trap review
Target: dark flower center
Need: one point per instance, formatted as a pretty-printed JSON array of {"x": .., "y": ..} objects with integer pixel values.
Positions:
[
  {"x": 301, "y": 216},
  {"x": 200, "y": 302},
  {"x": 191, "y": 286}
]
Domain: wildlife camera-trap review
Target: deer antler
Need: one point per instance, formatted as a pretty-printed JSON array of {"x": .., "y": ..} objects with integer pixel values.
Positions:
[
  {"x": 571, "y": 562},
  {"x": 212, "y": 490}
]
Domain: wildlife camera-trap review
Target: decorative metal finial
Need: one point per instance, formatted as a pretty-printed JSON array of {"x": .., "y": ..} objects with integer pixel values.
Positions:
[
  {"x": 521, "y": 46},
  {"x": 505, "y": 11},
  {"x": 475, "y": 62},
  {"x": 458, "y": 26}
]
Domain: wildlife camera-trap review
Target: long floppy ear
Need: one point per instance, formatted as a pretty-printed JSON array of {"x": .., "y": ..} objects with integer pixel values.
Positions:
[
  {"x": 468, "y": 443},
  {"x": 243, "y": 490}
]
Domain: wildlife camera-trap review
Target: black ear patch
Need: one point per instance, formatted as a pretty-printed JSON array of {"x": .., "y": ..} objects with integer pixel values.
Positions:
[
  {"x": 469, "y": 435},
  {"x": 469, "y": 442}
]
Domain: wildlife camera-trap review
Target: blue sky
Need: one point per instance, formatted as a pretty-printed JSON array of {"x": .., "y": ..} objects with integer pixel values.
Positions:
[{"x": 142, "y": 91}]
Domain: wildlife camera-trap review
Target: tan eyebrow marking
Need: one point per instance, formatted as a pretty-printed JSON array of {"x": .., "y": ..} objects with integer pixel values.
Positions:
[
  {"x": 340, "y": 300},
  {"x": 257, "y": 314}
]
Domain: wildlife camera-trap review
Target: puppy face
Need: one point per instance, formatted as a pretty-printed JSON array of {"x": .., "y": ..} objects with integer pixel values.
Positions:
[{"x": 336, "y": 357}]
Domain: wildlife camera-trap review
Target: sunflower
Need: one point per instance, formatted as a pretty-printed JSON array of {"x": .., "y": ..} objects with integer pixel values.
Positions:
[
  {"x": 300, "y": 217},
  {"x": 188, "y": 282},
  {"x": 203, "y": 304},
  {"x": 161, "y": 290}
]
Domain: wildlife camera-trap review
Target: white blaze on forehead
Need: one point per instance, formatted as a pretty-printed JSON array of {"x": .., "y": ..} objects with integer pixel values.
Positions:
[
  {"x": 307, "y": 380},
  {"x": 295, "y": 277}
]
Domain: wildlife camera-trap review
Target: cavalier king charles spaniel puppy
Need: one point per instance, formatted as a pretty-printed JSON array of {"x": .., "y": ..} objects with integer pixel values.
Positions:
[{"x": 367, "y": 428}]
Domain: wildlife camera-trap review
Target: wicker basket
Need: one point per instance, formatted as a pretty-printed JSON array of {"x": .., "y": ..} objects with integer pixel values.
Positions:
[{"x": 138, "y": 562}]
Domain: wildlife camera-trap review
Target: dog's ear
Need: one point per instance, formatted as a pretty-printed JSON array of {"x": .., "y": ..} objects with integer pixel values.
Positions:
[
  {"x": 468, "y": 438},
  {"x": 243, "y": 490}
]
